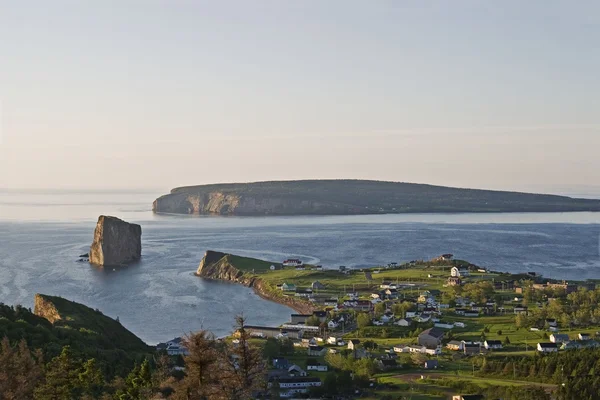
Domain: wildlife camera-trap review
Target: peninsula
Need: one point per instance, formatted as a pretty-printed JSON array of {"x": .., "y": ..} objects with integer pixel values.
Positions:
[{"x": 354, "y": 197}]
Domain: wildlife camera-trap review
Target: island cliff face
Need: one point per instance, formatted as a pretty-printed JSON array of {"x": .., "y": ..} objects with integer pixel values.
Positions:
[
  {"x": 349, "y": 197},
  {"x": 219, "y": 266},
  {"x": 116, "y": 242}
]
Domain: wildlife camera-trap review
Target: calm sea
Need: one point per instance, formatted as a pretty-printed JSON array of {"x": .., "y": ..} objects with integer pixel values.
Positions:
[{"x": 42, "y": 233}]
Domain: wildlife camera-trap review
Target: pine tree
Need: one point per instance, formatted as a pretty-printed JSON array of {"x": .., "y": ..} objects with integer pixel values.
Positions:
[{"x": 61, "y": 377}]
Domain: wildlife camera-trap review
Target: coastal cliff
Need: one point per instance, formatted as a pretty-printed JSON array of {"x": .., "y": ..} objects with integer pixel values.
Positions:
[
  {"x": 116, "y": 242},
  {"x": 220, "y": 266},
  {"x": 350, "y": 197},
  {"x": 45, "y": 308}
]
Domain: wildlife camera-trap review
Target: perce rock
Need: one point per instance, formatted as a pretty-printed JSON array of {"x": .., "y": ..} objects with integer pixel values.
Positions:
[{"x": 116, "y": 242}]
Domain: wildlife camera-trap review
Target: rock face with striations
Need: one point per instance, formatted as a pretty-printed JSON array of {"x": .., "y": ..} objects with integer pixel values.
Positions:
[{"x": 116, "y": 242}]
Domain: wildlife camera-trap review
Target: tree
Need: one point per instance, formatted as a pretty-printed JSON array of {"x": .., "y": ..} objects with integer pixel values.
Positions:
[
  {"x": 61, "y": 378},
  {"x": 499, "y": 332},
  {"x": 363, "y": 320},
  {"x": 313, "y": 320},
  {"x": 200, "y": 372},
  {"x": 370, "y": 345},
  {"x": 380, "y": 308},
  {"x": 242, "y": 366},
  {"x": 506, "y": 341},
  {"x": 20, "y": 371},
  {"x": 91, "y": 380}
]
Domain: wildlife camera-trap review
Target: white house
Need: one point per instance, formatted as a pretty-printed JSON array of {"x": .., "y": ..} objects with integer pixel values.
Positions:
[
  {"x": 547, "y": 347},
  {"x": 403, "y": 322},
  {"x": 411, "y": 314},
  {"x": 493, "y": 344},
  {"x": 332, "y": 324},
  {"x": 459, "y": 272},
  {"x": 444, "y": 325},
  {"x": 292, "y": 262},
  {"x": 459, "y": 324},
  {"x": 316, "y": 367},
  {"x": 559, "y": 338},
  {"x": 295, "y": 370},
  {"x": 294, "y": 385},
  {"x": 583, "y": 336}
]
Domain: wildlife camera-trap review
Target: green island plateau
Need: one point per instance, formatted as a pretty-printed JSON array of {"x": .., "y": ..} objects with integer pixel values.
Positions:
[{"x": 353, "y": 197}]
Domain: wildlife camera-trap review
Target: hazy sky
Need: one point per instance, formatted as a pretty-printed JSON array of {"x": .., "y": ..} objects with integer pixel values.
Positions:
[{"x": 157, "y": 94}]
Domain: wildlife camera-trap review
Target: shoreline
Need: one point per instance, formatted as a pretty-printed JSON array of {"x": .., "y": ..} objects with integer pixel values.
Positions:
[{"x": 255, "y": 284}]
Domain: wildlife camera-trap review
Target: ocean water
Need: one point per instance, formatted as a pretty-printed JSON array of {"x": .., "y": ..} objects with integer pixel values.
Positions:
[{"x": 42, "y": 234}]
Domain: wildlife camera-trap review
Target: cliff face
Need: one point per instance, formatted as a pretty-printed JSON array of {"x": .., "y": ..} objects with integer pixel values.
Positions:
[
  {"x": 45, "y": 308},
  {"x": 116, "y": 242},
  {"x": 216, "y": 265},
  {"x": 219, "y": 203}
]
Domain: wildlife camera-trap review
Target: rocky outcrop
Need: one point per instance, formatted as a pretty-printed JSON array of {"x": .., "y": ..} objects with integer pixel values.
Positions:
[
  {"x": 116, "y": 242},
  {"x": 219, "y": 266},
  {"x": 45, "y": 308}
]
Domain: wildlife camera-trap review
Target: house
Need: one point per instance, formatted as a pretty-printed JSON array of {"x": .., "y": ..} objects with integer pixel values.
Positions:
[
  {"x": 319, "y": 267},
  {"x": 353, "y": 344},
  {"x": 292, "y": 262},
  {"x": 547, "y": 347},
  {"x": 288, "y": 387},
  {"x": 313, "y": 365},
  {"x": 322, "y": 315},
  {"x": 431, "y": 337},
  {"x": 492, "y": 344},
  {"x": 316, "y": 351},
  {"x": 431, "y": 364},
  {"x": 288, "y": 287},
  {"x": 454, "y": 281},
  {"x": 471, "y": 313},
  {"x": 332, "y": 340},
  {"x": 343, "y": 269},
  {"x": 551, "y": 322},
  {"x": 520, "y": 309},
  {"x": 387, "y": 317},
  {"x": 316, "y": 285},
  {"x": 385, "y": 364},
  {"x": 459, "y": 324},
  {"x": 459, "y": 272},
  {"x": 443, "y": 325},
  {"x": 468, "y": 397},
  {"x": 281, "y": 363},
  {"x": 391, "y": 293},
  {"x": 375, "y": 295},
  {"x": 174, "y": 347},
  {"x": 299, "y": 318},
  {"x": 300, "y": 268},
  {"x": 331, "y": 302},
  {"x": 385, "y": 285},
  {"x": 454, "y": 345},
  {"x": 471, "y": 349},
  {"x": 404, "y": 322},
  {"x": 583, "y": 336},
  {"x": 332, "y": 324},
  {"x": 303, "y": 292},
  {"x": 295, "y": 370},
  {"x": 559, "y": 338}
]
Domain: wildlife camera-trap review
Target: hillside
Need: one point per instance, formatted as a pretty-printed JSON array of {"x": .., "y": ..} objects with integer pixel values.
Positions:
[
  {"x": 57, "y": 322},
  {"x": 349, "y": 197}
]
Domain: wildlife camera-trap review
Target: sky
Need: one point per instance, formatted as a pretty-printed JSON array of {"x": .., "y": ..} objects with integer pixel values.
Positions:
[{"x": 148, "y": 94}]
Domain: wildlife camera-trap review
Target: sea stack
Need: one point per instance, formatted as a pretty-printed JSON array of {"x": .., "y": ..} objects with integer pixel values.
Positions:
[{"x": 116, "y": 242}]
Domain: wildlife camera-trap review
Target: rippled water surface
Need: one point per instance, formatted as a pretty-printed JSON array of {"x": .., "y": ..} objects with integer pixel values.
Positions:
[{"x": 41, "y": 235}]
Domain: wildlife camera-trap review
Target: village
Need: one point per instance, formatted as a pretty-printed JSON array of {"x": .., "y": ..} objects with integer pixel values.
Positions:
[{"x": 437, "y": 318}]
